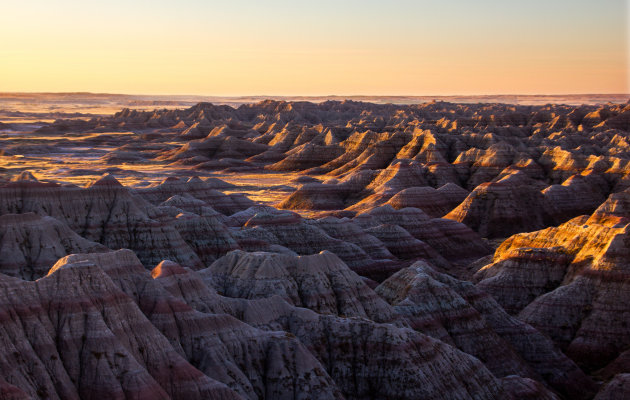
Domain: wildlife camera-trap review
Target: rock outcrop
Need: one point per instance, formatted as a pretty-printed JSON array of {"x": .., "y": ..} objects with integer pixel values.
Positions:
[
  {"x": 434, "y": 202},
  {"x": 320, "y": 282},
  {"x": 30, "y": 244},
  {"x": 344, "y": 275},
  {"x": 569, "y": 282},
  {"x": 327, "y": 336},
  {"x": 451, "y": 240},
  {"x": 81, "y": 337},
  {"x": 204, "y": 190},
  {"x": 105, "y": 212},
  {"x": 510, "y": 205},
  {"x": 459, "y": 314},
  {"x": 216, "y": 347},
  {"x": 227, "y": 357}
]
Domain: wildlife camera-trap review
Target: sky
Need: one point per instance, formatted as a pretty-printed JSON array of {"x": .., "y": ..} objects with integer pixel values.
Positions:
[{"x": 323, "y": 47}]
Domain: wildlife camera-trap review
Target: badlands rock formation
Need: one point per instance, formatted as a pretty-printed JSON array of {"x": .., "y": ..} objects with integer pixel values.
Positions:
[
  {"x": 459, "y": 314},
  {"x": 214, "y": 354},
  {"x": 293, "y": 250},
  {"x": 320, "y": 282},
  {"x": 570, "y": 282},
  {"x": 104, "y": 212},
  {"x": 30, "y": 244}
]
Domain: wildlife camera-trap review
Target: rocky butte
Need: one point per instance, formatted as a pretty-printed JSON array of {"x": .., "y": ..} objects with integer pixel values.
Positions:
[{"x": 332, "y": 250}]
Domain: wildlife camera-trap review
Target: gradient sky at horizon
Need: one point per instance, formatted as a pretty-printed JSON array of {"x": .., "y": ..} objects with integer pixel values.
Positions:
[{"x": 343, "y": 47}]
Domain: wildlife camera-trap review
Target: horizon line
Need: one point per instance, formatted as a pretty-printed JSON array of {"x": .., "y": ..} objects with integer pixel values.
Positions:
[{"x": 316, "y": 95}]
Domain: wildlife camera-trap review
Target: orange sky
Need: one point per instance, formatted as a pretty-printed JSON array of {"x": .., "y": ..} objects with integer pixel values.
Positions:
[{"x": 315, "y": 48}]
